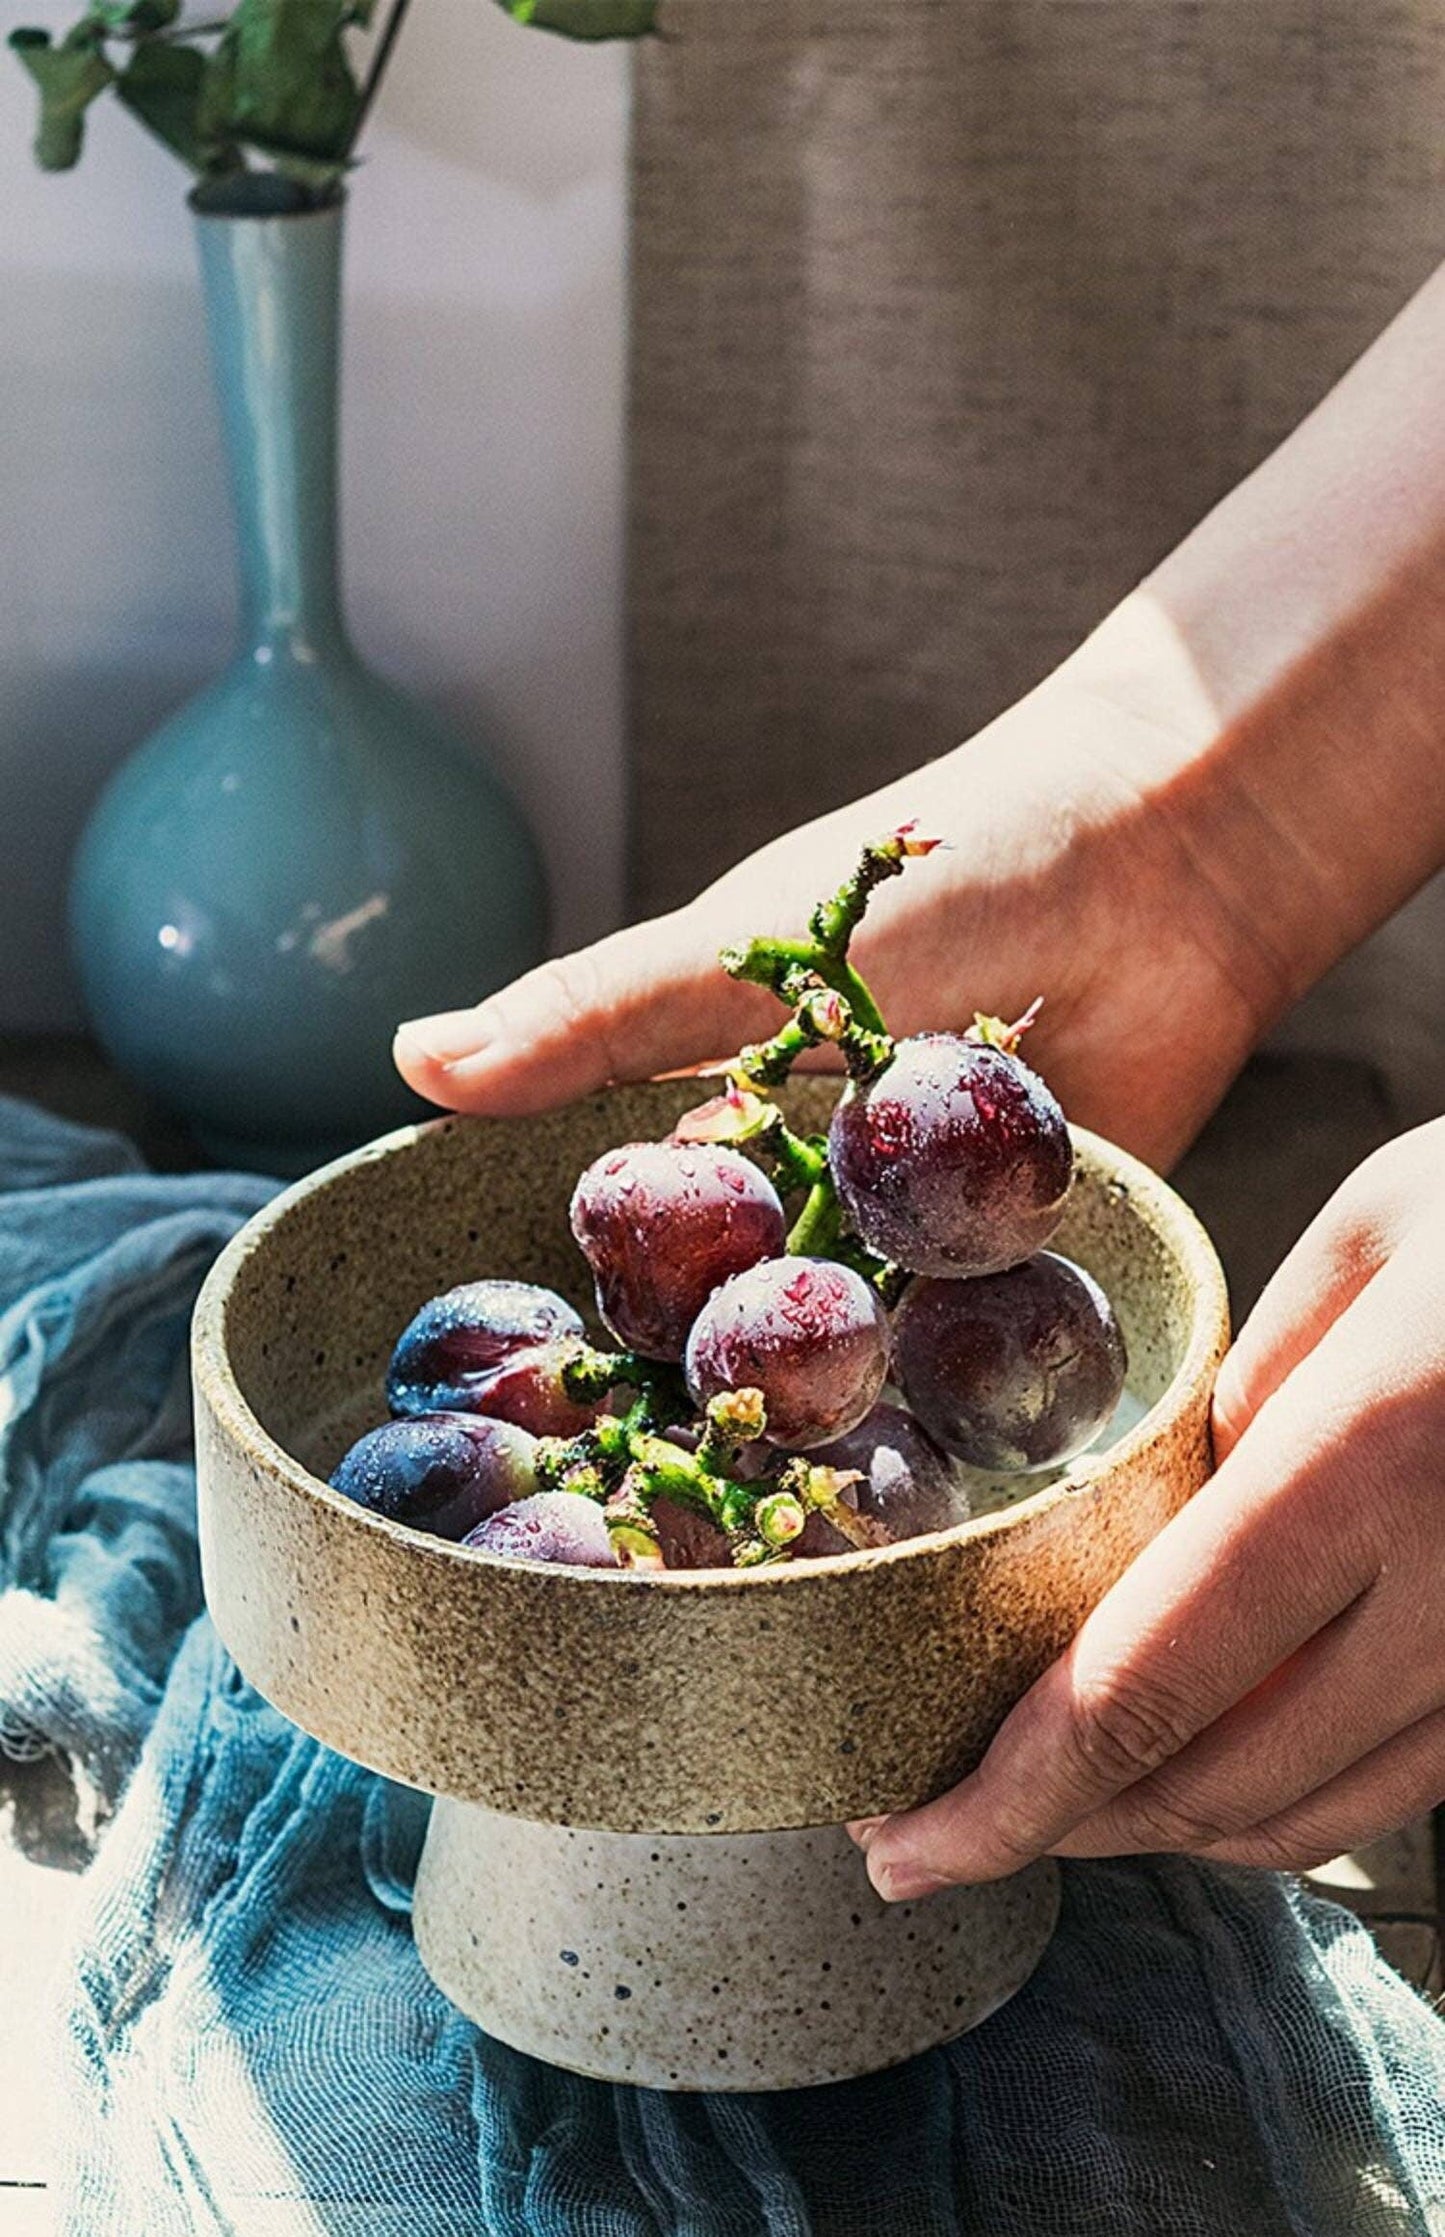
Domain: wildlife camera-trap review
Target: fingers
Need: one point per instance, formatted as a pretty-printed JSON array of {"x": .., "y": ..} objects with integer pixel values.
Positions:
[
  {"x": 1394, "y": 1783},
  {"x": 647, "y": 1000},
  {"x": 1335, "y": 1257},
  {"x": 1284, "y": 1538},
  {"x": 1342, "y": 1696}
]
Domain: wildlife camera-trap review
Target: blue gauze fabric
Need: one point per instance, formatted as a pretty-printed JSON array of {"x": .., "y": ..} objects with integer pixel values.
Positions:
[{"x": 248, "y": 2040}]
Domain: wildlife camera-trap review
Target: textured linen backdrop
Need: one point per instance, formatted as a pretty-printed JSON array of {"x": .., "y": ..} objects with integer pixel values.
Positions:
[{"x": 950, "y": 318}]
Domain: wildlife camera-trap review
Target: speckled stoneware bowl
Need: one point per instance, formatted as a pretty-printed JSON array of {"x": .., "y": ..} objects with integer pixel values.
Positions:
[{"x": 604, "y": 1739}]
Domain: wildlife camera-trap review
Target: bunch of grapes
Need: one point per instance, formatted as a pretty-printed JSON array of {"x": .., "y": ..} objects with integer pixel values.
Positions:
[{"x": 809, "y": 1333}]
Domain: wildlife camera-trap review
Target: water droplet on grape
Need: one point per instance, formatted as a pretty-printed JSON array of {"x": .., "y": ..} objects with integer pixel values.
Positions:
[
  {"x": 662, "y": 1225},
  {"x": 953, "y": 1160},
  {"x": 811, "y": 1335}
]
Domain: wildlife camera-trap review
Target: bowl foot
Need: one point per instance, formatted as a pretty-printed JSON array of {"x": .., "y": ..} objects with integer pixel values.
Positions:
[{"x": 721, "y": 1962}]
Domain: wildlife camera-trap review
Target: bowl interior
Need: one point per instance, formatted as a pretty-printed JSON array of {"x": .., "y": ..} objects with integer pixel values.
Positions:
[{"x": 314, "y": 1309}]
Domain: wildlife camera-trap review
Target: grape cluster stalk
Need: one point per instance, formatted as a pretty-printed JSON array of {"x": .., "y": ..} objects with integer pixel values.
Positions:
[{"x": 760, "y": 1288}]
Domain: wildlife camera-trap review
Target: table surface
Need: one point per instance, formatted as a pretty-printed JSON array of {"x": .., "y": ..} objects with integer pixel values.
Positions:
[{"x": 1288, "y": 1133}]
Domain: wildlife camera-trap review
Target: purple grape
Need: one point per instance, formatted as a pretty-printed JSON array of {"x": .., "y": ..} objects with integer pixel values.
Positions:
[
  {"x": 818, "y": 1539},
  {"x": 557, "y": 1526},
  {"x": 905, "y": 1482},
  {"x": 528, "y": 1389},
  {"x": 1011, "y": 1371},
  {"x": 449, "y": 1351},
  {"x": 444, "y": 1473},
  {"x": 954, "y": 1160},
  {"x": 689, "y": 1540},
  {"x": 810, "y": 1334},
  {"x": 664, "y": 1224}
]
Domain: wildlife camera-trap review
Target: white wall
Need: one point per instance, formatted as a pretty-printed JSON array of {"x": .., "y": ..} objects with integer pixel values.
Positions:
[{"x": 482, "y": 441}]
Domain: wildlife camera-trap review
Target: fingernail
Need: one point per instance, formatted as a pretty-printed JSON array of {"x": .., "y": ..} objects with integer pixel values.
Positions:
[
  {"x": 903, "y": 1882},
  {"x": 479, "y": 1058},
  {"x": 864, "y": 1830},
  {"x": 446, "y": 1039}
]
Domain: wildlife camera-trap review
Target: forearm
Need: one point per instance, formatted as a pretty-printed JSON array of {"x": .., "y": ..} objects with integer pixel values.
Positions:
[{"x": 1283, "y": 671}]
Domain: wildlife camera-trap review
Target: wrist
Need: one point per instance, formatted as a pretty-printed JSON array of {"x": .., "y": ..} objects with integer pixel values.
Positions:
[
  {"x": 1297, "y": 764},
  {"x": 1209, "y": 841}
]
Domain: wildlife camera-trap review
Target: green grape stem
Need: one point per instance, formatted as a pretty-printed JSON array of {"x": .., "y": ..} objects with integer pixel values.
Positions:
[
  {"x": 823, "y": 955},
  {"x": 817, "y": 1230},
  {"x": 823, "y": 1488},
  {"x": 780, "y": 1518},
  {"x": 800, "y": 1161},
  {"x": 632, "y": 1532},
  {"x": 735, "y": 1418},
  {"x": 822, "y": 1014},
  {"x": 830, "y": 1002},
  {"x": 772, "y": 963},
  {"x": 627, "y": 1469},
  {"x": 834, "y": 922},
  {"x": 589, "y": 1375}
]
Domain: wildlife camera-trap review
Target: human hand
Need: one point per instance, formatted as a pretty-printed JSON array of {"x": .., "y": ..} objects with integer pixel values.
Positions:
[
  {"x": 1266, "y": 1684},
  {"x": 1075, "y": 872}
]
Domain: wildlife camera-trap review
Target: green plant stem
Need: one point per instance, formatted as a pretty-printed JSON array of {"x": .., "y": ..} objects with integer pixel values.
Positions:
[
  {"x": 735, "y": 1419},
  {"x": 772, "y": 963},
  {"x": 381, "y": 56},
  {"x": 800, "y": 1163},
  {"x": 834, "y": 921},
  {"x": 589, "y": 1375},
  {"x": 627, "y": 1469},
  {"x": 822, "y": 1015},
  {"x": 814, "y": 1233}
]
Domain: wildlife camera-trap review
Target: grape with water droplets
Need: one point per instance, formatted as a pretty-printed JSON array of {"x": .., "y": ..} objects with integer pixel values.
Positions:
[
  {"x": 444, "y": 1473},
  {"x": 449, "y": 1350},
  {"x": 558, "y": 1526},
  {"x": 1011, "y": 1371},
  {"x": 955, "y": 1159},
  {"x": 810, "y": 1334},
  {"x": 905, "y": 1482},
  {"x": 528, "y": 1388},
  {"x": 664, "y": 1224}
]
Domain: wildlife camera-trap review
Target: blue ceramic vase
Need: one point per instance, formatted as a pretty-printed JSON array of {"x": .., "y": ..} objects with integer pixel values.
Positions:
[{"x": 301, "y": 857}]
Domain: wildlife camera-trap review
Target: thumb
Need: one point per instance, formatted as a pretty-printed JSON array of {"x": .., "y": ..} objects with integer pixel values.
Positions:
[{"x": 646, "y": 1000}]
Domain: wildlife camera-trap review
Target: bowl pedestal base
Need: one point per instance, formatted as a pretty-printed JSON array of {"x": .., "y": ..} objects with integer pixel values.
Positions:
[{"x": 718, "y": 1961}]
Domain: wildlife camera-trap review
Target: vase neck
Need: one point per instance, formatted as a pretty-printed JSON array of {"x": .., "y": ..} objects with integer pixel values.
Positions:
[{"x": 272, "y": 288}]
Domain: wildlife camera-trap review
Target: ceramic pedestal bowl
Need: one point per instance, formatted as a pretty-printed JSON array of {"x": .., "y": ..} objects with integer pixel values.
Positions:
[{"x": 636, "y": 1866}]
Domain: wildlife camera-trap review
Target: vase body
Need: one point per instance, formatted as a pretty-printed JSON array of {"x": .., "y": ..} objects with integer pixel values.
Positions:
[{"x": 301, "y": 857}]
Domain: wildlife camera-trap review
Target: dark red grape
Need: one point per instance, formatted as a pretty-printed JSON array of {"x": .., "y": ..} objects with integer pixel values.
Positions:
[
  {"x": 553, "y": 1526},
  {"x": 818, "y": 1539},
  {"x": 1015, "y": 1370},
  {"x": 955, "y": 1159},
  {"x": 528, "y": 1389},
  {"x": 810, "y": 1334},
  {"x": 688, "y": 1539},
  {"x": 905, "y": 1482},
  {"x": 444, "y": 1473},
  {"x": 662, "y": 1225},
  {"x": 458, "y": 1340}
]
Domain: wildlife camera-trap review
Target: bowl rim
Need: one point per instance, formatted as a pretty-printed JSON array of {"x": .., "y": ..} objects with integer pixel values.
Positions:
[{"x": 216, "y": 1381}]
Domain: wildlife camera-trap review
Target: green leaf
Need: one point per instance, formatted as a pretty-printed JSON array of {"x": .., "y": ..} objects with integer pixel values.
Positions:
[
  {"x": 138, "y": 18},
  {"x": 283, "y": 82},
  {"x": 69, "y": 77},
  {"x": 586, "y": 19},
  {"x": 162, "y": 85}
]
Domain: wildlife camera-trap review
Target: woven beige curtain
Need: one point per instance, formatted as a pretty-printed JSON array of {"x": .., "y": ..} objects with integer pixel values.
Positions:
[{"x": 950, "y": 316}]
